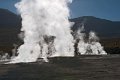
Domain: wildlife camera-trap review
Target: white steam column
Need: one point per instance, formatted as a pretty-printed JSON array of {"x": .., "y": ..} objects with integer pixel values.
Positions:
[{"x": 42, "y": 19}]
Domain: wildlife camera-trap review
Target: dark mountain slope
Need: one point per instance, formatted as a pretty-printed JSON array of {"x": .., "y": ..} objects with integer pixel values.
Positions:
[
  {"x": 10, "y": 25},
  {"x": 8, "y": 19},
  {"x": 9, "y": 28},
  {"x": 104, "y": 28}
]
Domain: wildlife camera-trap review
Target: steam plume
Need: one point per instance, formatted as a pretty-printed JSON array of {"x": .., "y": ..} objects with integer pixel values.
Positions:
[
  {"x": 43, "y": 20},
  {"x": 47, "y": 32}
]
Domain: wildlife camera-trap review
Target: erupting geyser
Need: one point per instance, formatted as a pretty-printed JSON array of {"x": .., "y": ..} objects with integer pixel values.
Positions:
[
  {"x": 46, "y": 28},
  {"x": 47, "y": 31},
  {"x": 90, "y": 46}
]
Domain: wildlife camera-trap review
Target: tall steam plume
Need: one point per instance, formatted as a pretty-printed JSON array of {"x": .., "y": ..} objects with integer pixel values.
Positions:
[
  {"x": 47, "y": 32},
  {"x": 46, "y": 28}
]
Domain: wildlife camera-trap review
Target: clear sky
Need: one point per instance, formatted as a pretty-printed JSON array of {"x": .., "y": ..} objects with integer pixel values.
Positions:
[{"x": 106, "y": 9}]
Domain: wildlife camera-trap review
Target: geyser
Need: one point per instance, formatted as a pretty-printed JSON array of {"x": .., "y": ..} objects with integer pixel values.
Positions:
[
  {"x": 87, "y": 45},
  {"x": 41, "y": 20},
  {"x": 47, "y": 32}
]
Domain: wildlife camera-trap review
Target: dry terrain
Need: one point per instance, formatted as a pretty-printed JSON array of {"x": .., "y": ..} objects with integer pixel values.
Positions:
[{"x": 77, "y": 68}]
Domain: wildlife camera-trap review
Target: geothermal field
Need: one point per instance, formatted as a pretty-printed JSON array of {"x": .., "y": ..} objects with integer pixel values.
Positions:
[
  {"x": 52, "y": 51},
  {"x": 49, "y": 35}
]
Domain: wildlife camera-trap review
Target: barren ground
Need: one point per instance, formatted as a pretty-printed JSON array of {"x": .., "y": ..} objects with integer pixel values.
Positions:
[{"x": 77, "y": 68}]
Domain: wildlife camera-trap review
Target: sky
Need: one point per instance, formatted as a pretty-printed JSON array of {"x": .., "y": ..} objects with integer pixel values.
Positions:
[{"x": 106, "y": 9}]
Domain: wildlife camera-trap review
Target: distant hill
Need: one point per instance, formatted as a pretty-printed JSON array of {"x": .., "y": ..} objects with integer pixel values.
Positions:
[
  {"x": 10, "y": 25},
  {"x": 8, "y": 19},
  {"x": 104, "y": 28},
  {"x": 9, "y": 28}
]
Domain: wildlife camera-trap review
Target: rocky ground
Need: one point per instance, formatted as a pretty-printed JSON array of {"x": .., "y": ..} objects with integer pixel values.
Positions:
[{"x": 77, "y": 68}]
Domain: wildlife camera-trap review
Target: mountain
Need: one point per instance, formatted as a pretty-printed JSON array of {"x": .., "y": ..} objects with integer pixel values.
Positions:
[
  {"x": 104, "y": 28},
  {"x": 8, "y": 19},
  {"x": 10, "y": 25},
  {"x": 9, "y": 28}
]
